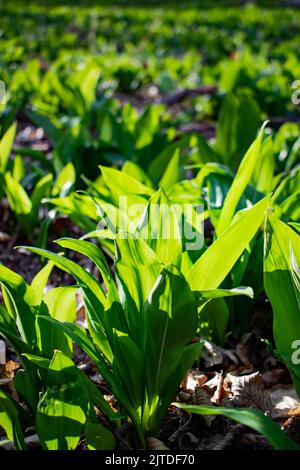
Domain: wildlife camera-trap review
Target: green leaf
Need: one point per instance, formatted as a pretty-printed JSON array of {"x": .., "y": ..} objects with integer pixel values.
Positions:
[
  {"x": 20, "y": 302},
  {"x": 41, "y": 190},
  {"x": 216, "y": 314},
  {"x": 205, "y": 153},
  {"x": 65, "y": 181},
  {"x": 147, "y": 125},
  {"x": 42, "y": 362},
  {"x": 226, "y": 129},
  {"x": 6, "y": 145},
  {"x": 62, "y": 410},
  {"x": 252, "y": 418},
  {"x": 9, "y": 421},
  {"x": 170, "y": 318},
  {"x": 91, "y": 251},
  {"x": 79, "y": 273},
  {"x": 216, "y": 293},
  {"x": 61, "y": 305},
  {"x": 19, "y": 170},
  {"x": 171, "y": 174},
  {"x": 159, "y": 164},
  {"x": 159, "y": 227},
  {"x": 238, "y": 122},
  {"x": 263, "y": 174},
  {"x": 134, "y": 170},
  {"x": 240, "y": 182},
  {"x": 137, "y": 268},
  {"x": 39, "y": 282},
  {"x": 98, "y": 437},
  {"x": 28, "y": 385},
  {"x": 121, "y": 184},
  {"x": 282, "y": 285},
  {"x": 217, "y": 261},
  {"x": 12, "y": 336},
  {"x": 18, "y": 199}
]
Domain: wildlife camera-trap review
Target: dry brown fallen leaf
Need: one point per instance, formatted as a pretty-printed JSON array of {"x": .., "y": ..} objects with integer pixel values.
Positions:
[
  {"x": 10, "y": 368},
  {"x": 295, "y": 412},
  {"x": 7, "y": 371},
  {"x": 218, "y": 395},
  {"x": 249, "y": 391},
  {"x": 284, "y": 402},
  {"x": 194, "y": 380}
]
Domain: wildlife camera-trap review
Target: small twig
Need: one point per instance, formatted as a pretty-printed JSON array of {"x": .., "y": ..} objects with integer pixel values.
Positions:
[
  {"x": 180, "y": 95},
  {"x": 180, "y": 431}
]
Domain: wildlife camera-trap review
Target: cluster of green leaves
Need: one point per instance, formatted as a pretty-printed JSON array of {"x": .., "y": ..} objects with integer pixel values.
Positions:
[
  {"x": 142, "y": 316},
  {"x": 59, "y": 398},
  {"x": 140, "y": 330},
  {"x": 105, "y": 133},
  {"x": 215, "y": 187},
  {"x": 158, "y": 282},
  {"x": 25, "y": 190},
  {"x": 215, "y": 45}
]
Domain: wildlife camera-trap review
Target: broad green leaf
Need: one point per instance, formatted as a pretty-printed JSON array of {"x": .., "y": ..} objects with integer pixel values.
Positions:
[
  {"x": 18, "y": 199},
  {"x": 240, "y": 182},
  {"x": 79, "y": 273},
  {"x": 282, "y": 281},
  {"x": 12, "y": 336},
  {"x": 252, "y": 418},
  {"x": 137, "y": 268},
  {"x": 40, "y": 361},
  {"x": 41, "y": 190},
  {"x": 205, "y": 153},
  {"x": 216, "y": 293},
  {"x": 91, "y": 251},
  {"x": 27, "y": 384},
  {"x": 159, "y": 227},
  {"x": 19, "y": 170},
  {"x": 264, "y": 170},
  {"x": 62, "y": 410},
  {"x": 134, "y": 170},
  {"x": 217, "y": 261},
  {"x": 216, "y": 315},
  {"x": 80, "y": 336},
  {"x": 6, "y": 145},
  {"x": 129, "y": 365},
  {"x": 39, "y": 282},
  {"x": 147, "y": 125},
  {"x": 61, "y": 305},
  {"x": 226, "y": 143},
  {"x": 159, "y": 164},
  {"x": 170, "y": 319},
  {"x": 9, "y": 421},
  {"x": 88, "y": 83},
  {"x": 238, "y": 122},
  {"x": 20, "y": 302},
  {"x": 98, "y": 437},
  {"x": 171, "y": 174},
  {"x": 121, "y": 184},
  {"x": 65, "y": 181}
]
